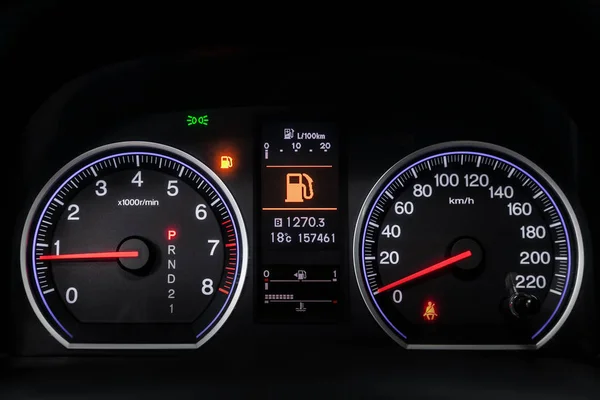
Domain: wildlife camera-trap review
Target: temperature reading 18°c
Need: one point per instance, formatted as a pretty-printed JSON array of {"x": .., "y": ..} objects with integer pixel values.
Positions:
[{"x": 468, "y": 245}]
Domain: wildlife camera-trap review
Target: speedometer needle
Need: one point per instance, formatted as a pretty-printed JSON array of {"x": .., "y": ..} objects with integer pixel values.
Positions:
[
  {"x": 106, "y": 255},
  {"x": 428, "y": 270}
]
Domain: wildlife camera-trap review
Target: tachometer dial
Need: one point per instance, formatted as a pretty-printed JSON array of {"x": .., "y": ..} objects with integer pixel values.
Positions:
[
  {"x": 468, "y": 245},
  {"x": 134, "y": 245}
]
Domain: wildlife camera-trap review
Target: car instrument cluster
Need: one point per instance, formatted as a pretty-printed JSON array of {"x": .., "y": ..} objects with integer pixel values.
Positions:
[{"x": 421, "y": 220}]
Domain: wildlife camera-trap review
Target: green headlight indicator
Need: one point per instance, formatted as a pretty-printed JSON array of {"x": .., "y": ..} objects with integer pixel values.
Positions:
[{"x": 200, "y": 120}]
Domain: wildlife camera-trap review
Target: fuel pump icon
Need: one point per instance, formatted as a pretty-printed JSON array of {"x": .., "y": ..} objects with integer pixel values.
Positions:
[{"x": 298, "y": 187}]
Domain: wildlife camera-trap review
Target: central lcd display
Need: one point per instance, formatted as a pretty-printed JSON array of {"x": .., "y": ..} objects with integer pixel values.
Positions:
[{"x": 300, "y": 236}]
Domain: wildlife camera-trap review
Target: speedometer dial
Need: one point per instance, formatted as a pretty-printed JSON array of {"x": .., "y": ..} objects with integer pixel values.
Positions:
[
  {"x": 468, "y": 245},
  {"x": 134, "y": 245}
]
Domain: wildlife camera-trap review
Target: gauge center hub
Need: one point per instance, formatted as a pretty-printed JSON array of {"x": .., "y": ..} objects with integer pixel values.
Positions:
[
  {"x": 467, "y": 244},
  {"x": 140, "y": 264}
]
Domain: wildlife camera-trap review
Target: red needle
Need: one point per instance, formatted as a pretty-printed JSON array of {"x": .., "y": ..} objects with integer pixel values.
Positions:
[
  {"x": 106, "y": 255},
  {"x": 428, "y": 270}
]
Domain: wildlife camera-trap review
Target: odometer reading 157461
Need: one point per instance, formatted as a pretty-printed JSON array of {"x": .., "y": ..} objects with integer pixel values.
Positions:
[
  {"x": 468, "y": 245},
  {"x": 133, "y": 245}
]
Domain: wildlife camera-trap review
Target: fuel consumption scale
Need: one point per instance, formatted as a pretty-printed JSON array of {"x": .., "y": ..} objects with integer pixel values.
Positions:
[{"x": 300, "y": 249}]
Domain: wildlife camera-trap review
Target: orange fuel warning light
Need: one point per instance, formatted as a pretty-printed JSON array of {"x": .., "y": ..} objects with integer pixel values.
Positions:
[
  {"x": 430, "y": 313},
  {"x": 171, "y": 234},
  {"x": 226, "y": 162}
]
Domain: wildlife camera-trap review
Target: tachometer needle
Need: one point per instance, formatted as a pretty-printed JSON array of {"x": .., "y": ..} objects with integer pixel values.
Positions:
[
  {"x": 425, "y": 271},
  {"x": 106, "y": 255}
]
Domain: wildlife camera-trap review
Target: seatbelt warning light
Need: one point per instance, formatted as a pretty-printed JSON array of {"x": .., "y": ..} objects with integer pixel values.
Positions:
[{"x": 430, "y": 313}]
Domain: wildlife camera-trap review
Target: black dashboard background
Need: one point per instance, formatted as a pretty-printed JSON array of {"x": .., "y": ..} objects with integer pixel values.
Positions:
[{"x": 274, "y": 86}]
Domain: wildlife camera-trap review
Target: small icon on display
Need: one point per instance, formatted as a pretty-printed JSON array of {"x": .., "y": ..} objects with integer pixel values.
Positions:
[
  {"x": 288, "y": 133},
  {"x": 300, "y": 275}
]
